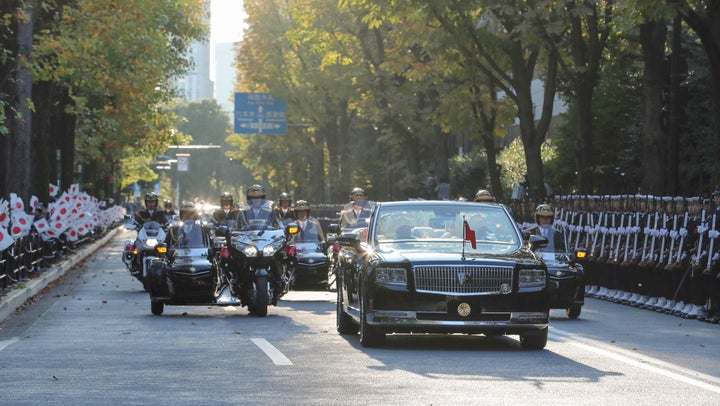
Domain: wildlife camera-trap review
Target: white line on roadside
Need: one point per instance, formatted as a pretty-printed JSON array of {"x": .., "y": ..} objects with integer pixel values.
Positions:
[
  {"x": 638, "y": 360},
  {"x": 5, "y": 343},
  {"x": 277, "y": 357}
]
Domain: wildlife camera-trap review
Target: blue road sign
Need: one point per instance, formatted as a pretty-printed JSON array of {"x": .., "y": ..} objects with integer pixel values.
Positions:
[{"x": 260, "y": 113}]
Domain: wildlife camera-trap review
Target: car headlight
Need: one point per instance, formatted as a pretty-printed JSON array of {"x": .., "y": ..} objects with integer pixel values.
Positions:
[
  {"x": 531, "y": 278},
  {"x": 151, "y": 242},
  {"x": 250, "y": 251},
  {"x": 391, "y": 276}
]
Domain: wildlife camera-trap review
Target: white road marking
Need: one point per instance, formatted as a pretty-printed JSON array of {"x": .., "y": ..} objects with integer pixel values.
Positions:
[
  {"x": 6, "y": 343},
  {"x": 277, "y": 357},
  {"x": 638, "y": 360}
]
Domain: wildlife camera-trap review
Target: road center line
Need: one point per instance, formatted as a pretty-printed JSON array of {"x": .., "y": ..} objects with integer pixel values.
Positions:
[
  {"x": 277, "y": 357},
  {"x": 638, "y": 360},
  {"x": 6, "y": 343}
]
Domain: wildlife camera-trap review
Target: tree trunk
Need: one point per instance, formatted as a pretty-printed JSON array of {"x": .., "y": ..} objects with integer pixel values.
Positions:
[
  {"x": 654, "y": 143},
  {"x": 19, "y": 172},
  {"x": 674, "y": 111}
]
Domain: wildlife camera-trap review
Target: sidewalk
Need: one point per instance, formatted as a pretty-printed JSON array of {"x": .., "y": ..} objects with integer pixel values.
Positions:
[{"x": 17, "y": 297}]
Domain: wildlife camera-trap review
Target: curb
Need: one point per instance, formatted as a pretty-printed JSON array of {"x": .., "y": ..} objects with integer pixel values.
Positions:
[{"x": 17, "y": 297}]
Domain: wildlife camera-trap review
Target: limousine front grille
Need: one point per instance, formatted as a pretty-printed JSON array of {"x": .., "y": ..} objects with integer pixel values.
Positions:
[{"x": 463, "y": 280}]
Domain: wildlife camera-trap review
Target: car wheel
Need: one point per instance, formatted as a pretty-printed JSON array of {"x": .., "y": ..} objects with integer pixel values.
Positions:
[
  {"x": 535, "y": 340},
  {"x": 369, "y": 335},
  {"x": 573, "y": 312},
  {"x": 344, "y": 323},
  {"x": 157, "y": 307},
  {"x": 260, "y": 297}
]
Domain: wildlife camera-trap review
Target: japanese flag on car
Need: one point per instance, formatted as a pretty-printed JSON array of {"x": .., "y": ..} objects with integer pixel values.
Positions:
[
  {"x": 470, "y": 234},
  {"x": 5, "y": 239}
]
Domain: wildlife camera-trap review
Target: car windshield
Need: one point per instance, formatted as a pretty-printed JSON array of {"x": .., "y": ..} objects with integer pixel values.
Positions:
[
  {"x": 440, "y": 228},
  {"x": 190, "y": 235}
]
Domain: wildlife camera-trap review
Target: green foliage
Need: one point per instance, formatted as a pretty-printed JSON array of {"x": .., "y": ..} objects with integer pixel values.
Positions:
[
  {"x": 118, "y": 61},
  {"x": 468, "y": 174},
  {"x": 512, "y": 161}
]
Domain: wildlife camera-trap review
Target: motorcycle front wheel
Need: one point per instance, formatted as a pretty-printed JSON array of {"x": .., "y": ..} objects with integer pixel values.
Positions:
[{"x": 259, "y": 297}]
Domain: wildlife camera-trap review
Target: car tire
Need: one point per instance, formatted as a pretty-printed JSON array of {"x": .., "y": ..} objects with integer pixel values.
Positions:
[
  {"x": 535, "y": 340},
  {"x": 369, "y": 335},
  {"x": 157, "y": 307},
  {"x": 345, "y": 324},
  {"x": 573, "y": 312}
]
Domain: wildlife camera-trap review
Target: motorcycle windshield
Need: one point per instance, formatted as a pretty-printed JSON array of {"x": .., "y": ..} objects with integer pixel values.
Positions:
[
  {"x": 259, "y": 215},
  {"x": 152, "y": 228},
  {"x": 190, "y": 235}
]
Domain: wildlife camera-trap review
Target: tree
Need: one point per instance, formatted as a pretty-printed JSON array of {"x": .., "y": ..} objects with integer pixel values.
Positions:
[{"x": 102, "y": 71}]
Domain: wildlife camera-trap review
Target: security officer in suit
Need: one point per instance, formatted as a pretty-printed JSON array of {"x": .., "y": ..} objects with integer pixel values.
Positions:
[
  {"x": 544, "y": 217},
  {"x": 284, "y": 211},
  {"x": 310, "y": 228},
  {"x": 356, "y": 209}
]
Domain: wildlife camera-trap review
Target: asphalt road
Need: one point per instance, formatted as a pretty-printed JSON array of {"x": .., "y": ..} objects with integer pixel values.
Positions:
[{"x": 91, "y": 339}]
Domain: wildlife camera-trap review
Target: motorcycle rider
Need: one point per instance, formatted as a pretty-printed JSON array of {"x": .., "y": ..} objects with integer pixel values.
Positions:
[
  {"x": 169, "y": 210},
  {"x": 259, "y": 210},
  {"x": 357, "y": 209},
  {"x": 310, "y": 228},
  {"x": 283, "y": 211},
  {"x": 544, "y": 217},
  {"x": 151, "y": 212},
  {"x": 227, "y": 210}
]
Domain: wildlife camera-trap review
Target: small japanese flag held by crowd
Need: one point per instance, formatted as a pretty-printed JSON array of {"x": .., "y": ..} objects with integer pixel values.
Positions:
[
  {"x": 73, "y": 214},
  {"x": 5, "y": 239}
]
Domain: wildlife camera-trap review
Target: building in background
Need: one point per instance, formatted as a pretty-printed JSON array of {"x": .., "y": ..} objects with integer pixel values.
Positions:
[
  {"x": 225, "y": 77},
  {"x": 196, "y": 84}
]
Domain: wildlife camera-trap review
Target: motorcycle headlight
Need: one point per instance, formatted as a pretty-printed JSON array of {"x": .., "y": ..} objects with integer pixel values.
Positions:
[
  {"x": 151, "y": 242},
  {"x": 269, "y": 250},
  {"x": 250, "y": 251}
]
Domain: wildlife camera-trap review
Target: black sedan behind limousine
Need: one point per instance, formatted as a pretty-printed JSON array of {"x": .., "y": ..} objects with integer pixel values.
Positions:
[{"x": 441, "y": 267}]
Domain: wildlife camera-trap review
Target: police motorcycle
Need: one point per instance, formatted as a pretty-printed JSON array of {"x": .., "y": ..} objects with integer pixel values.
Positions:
[
  {"x": 149, "y": 245},
  {"x": 347, "y": 226},
  {"x": 255, "y": 267},
  {"x": 187, "y": 275}
]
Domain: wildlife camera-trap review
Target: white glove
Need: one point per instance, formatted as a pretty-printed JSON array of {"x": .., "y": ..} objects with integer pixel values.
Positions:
[{"x": 713, "y": 234}]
